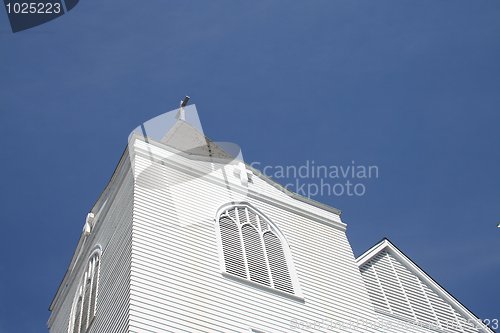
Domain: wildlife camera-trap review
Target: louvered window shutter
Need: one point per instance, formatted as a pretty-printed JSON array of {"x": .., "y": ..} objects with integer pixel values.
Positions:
[
  {"x": 256, "y": 258},
  {"x": 277, "y": 263},
  {"x": 86, "y": 302},
  {"x": 93, "y": 295},
  {"x": 231, "y": 246},
  {"x": 84, "y": 309},
  {"x": 252, "y": 250}
]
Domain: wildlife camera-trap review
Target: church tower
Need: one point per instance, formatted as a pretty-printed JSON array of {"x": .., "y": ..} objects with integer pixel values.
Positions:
[{"x": 187, "y": 237}]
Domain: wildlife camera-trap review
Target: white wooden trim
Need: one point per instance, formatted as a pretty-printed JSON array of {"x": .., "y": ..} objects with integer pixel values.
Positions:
[{"x": 264, "y": 287}]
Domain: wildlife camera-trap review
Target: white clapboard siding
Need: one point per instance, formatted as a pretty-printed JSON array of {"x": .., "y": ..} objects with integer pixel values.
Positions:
[
  {"x": 112, "y": 232},
  {"x": 405, "y": 302},
  {"x": 177, "y": 283}
]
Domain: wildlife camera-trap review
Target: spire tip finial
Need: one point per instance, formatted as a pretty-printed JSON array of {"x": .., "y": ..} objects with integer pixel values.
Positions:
[{"x": 183, "y": 103}]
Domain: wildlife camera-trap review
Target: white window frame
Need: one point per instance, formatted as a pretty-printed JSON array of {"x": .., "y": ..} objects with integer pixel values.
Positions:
[
  {"x": 80, "y": 292},
  {"x": 297, "y": 294}
]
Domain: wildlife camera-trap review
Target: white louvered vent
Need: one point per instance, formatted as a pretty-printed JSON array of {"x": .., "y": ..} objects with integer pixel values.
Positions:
[
  {"x": 252, "y": 249},
  {"x": 256, "y": 258},
  {"x": 277, "y": 263},
  {"x": 95, "y": 277},
  {"x": 231, "y": 245},
  {"x": 85, "y": 302},
  {"x": 395, "y": 289},
  {"x": 375, "y": 288},
  {"x": 252, "y": 218}
]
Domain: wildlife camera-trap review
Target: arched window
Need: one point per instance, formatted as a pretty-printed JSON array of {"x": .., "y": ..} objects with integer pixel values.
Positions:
[
  {"x": 252, "y": 248},
  {"x": 84, "y": 304}
]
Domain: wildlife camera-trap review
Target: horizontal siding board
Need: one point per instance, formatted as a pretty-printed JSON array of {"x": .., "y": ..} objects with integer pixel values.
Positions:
[{"x": 244, "y": 292}]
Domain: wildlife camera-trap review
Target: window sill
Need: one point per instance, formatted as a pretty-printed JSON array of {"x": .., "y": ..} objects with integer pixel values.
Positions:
[{"x": 259, "y": 286}]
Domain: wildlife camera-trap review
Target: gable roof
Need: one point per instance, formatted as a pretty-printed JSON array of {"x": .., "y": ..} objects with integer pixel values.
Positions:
[{"x": 401, "y": 289}]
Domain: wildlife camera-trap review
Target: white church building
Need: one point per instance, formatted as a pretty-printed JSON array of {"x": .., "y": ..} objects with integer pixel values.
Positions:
[{"x": 186, "y": 237}]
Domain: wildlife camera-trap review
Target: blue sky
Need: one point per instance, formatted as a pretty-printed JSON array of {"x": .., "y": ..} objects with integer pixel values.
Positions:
[{"x": 410, "y": 86}]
